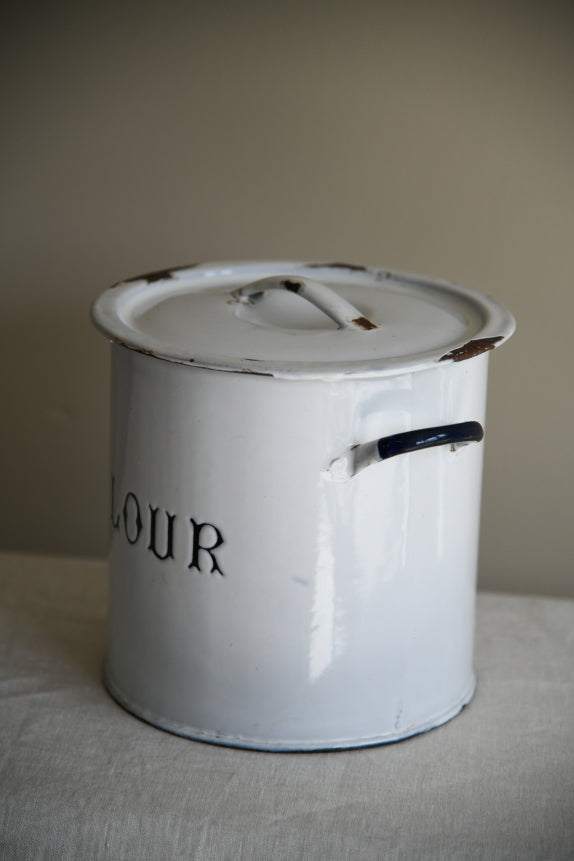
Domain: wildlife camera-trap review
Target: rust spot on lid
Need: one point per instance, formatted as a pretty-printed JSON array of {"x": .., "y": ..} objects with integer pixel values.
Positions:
[
  {"x": 143, "y": 350},
  {"x": 353, "y": 267},
  {"x": 364, "y": 323},
  {"x": 255, "y": 373},
  {"x": 471, "y": 349},
  {"x": 158, "y": 275},
  {"x": 292, "y": 286}
]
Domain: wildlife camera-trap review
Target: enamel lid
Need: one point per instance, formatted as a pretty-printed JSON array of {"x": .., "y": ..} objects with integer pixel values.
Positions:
[{"x": 300, "y": 320}]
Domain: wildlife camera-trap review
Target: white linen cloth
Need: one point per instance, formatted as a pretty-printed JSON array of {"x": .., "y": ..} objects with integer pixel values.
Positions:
[{"x": 80, "y": 778}]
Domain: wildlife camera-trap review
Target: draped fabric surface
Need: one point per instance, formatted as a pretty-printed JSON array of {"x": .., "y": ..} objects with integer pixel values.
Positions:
[{"x": 80, "y": 778}]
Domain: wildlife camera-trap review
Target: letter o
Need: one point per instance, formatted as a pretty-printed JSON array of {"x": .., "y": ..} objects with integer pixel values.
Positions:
[{"x": 136, "y": 520}]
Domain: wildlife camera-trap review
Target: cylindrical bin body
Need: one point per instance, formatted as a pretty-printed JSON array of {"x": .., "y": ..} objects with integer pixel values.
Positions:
[
  {"x": 256, "y": 600},
  {"x": 291, "y": 567}
]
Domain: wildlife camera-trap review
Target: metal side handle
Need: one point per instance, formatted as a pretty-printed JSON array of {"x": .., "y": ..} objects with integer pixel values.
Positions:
[{"x": 358, "y": 457}]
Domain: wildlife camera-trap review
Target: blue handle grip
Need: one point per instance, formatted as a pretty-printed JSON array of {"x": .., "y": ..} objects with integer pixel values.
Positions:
[{"x": 401, "y": 443}]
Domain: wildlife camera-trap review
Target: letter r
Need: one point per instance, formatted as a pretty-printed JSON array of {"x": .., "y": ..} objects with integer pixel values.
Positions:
[{"x": 197, "y": 529}]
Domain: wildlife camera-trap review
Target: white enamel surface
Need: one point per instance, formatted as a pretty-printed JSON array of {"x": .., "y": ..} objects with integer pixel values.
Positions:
[
  {"x": 345, "y": 612},
  {"x": 194, "y": 316}
]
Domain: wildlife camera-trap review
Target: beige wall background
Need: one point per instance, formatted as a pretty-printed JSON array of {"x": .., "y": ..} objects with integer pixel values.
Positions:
[{"x": 433, "y": 137}]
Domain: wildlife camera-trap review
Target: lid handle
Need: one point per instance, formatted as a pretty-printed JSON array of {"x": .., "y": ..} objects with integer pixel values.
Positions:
[{"x": 345, "y": 315}]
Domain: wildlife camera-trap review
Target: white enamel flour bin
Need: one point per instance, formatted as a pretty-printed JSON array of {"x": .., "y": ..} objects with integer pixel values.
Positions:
[{"x": 296, "y": 472}]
